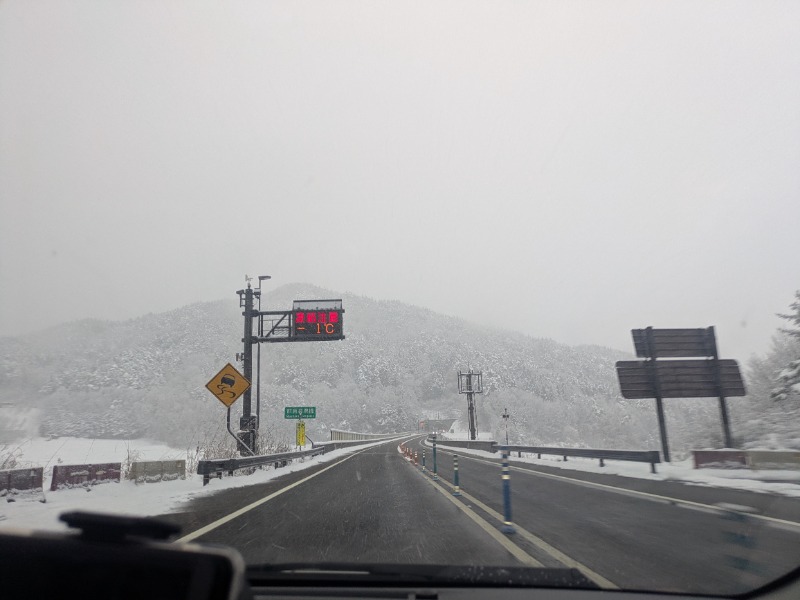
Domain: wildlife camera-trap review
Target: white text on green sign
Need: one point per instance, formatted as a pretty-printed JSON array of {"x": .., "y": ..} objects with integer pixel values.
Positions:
[{"x": 300, "y": 412}]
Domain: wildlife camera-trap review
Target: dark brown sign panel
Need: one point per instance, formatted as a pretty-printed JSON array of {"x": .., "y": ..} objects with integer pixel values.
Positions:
[
  {"x": 679, "y": 379},
  {"x": 673, "y": 343},
  {"x": 20, "y": 480},
  {"x": 68, "y": 476}
]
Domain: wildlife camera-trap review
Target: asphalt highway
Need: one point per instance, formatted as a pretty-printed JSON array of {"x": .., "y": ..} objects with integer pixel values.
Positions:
[
  {"x": 667, "y": 535},
  {"x": 375, "y": 506},
  {"x": 371, "y": 507}
]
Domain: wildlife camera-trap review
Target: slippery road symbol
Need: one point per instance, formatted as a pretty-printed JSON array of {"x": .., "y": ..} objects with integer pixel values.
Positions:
[
  {"x": 228, "y": 385},
  {"x": 225, "y": 385}
]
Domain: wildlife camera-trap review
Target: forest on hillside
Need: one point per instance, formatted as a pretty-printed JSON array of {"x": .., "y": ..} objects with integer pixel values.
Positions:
[{"x": 146, "y": 377}]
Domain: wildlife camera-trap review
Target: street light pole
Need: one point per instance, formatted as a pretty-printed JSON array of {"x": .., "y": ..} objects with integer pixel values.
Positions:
[{"x": 261, "y": 278}]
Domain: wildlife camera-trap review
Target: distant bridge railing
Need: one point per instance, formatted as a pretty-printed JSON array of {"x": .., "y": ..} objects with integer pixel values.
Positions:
[{"x": 339, "y": 435}]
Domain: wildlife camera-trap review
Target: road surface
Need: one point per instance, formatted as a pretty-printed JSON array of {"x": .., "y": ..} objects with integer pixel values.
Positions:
[{"x": 374, "y": 506}]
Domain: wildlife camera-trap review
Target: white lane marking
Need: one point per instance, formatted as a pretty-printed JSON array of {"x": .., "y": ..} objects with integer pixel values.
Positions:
[
  {"x": 516, "y": 551},
  {"x": 781, "y": 523},
  {"x": 508, "y": 544},
  {"x": 567, "y": 561},
  {"x": 219, "y": 522}
]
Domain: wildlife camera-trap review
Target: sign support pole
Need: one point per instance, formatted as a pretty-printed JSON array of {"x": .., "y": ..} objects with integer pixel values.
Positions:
[
  {"x": 723, "y": 408},
  {"x": 662, "y": 421},
  {"x": 239, "y": 442},
  {"x": 246, "y": 423}
]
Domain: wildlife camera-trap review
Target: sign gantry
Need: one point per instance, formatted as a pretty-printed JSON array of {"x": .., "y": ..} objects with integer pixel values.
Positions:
[{"x": 307, "y": 321}]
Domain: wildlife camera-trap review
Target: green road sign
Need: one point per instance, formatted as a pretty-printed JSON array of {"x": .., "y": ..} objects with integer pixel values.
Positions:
[{"x": 300, "y": 412}]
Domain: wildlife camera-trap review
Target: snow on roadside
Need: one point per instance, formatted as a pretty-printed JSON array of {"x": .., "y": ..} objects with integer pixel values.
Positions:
[
  {"x": 125, "y": 497},
  {"x": 785, "y": 483}
]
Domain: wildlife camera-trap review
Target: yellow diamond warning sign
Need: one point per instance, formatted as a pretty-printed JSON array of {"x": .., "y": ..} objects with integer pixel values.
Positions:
[{"x": 228, "y": 385}]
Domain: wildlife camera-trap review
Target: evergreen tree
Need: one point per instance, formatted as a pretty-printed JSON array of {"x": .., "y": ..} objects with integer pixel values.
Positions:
[{"x": 788, "y": 380}]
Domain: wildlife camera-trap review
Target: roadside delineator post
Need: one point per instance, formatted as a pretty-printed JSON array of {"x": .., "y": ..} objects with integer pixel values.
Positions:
[
  {"x": 416, "y": 456},
  {"x": 507, "y": 525},
  {"x": 435, "y": 470},
  {"x": 456, "y": 489},
  {"x": 423, "y": 461}
]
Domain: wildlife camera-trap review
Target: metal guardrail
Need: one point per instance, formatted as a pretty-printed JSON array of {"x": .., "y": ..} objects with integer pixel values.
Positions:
[
  {"x": 217, "y": 466},
  {"x": 485, "y": 445},
  {"x": 644, "y": 456}
]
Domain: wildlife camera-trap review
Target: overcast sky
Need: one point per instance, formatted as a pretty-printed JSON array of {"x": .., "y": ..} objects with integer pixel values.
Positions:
[{"x": 570, "y": 170}]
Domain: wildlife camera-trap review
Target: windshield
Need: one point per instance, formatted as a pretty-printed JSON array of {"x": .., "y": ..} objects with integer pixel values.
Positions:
[{"x": 411, "y": 284}]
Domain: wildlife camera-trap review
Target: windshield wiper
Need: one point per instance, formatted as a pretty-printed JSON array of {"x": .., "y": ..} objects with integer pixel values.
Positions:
[{"x": 397, "y": 574}]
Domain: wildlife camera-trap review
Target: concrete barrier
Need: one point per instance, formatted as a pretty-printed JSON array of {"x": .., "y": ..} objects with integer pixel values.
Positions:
[
  {"x": 747, "y": 459},
  {"x": 16, "y": 482},
  {"x": 151, "y": 471},
  {"x": 719, "y": 459},
  {"x": 84, "y": 476},
  {"x": 773, "y": 459}
]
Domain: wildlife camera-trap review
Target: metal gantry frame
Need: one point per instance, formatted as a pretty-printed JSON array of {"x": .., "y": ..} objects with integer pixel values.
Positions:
[{"x": 273, "y": 326}]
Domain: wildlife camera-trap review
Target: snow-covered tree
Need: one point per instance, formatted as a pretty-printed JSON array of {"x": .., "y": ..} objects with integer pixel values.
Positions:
[{"x": 788, "y": 381}]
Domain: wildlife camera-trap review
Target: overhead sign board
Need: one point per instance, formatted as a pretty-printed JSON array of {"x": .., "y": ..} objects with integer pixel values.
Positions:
[
  {"x": 679, "y": 379},
  {"x": 317, "y": 319},
  {"x": 674, "y": 343},
  {"x": 308, "y": 321},
  {"x": 228, "y": 385},
  {"x": 300, "y": 412}
]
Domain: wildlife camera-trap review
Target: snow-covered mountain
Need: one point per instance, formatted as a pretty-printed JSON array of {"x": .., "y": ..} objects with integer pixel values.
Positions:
[{"x": 146, "y": 377}]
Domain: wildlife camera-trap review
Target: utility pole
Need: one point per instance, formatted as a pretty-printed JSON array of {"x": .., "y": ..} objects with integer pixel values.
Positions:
[{"x": 471, "y": 383}]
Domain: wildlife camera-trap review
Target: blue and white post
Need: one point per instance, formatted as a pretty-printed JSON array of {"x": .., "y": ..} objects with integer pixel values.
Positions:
[
  {"x": 435, "y": 470},
  {"x": 507, "y": 526},
  {"x": 456, "y": 489}
]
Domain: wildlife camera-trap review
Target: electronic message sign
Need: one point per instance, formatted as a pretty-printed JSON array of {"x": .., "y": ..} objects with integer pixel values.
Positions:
[{"x": 317, "y": 320}]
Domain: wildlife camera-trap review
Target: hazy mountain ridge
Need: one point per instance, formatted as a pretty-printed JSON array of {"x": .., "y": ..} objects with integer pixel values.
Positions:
[{"x": 146, "y": 377}]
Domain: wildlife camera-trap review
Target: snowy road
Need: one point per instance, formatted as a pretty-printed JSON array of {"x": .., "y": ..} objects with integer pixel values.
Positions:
[{"x": 373, "y": 506}]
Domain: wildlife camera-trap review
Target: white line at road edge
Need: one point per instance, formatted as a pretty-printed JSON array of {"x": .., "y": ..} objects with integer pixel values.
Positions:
[
  {"x": 211, "y": 526},
  {"x": 515, "y": 550},
  {"x": 782, "y": 523}
]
